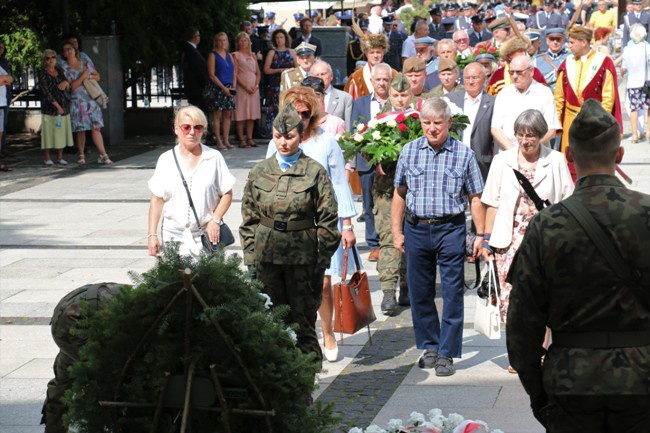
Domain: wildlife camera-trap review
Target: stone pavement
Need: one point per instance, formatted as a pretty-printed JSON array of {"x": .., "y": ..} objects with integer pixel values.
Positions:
[{"x": 63, "y": 227}]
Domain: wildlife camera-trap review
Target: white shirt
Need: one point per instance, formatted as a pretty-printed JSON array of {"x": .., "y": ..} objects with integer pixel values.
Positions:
[
  {"x": 635, "y": 57},
  {"x": 470, "y": 108},
  {"x": 408, "y": 47},
  {"x": 510, "y": 103},
  {"x": 3, "y": 90},
  {"x": 207, "y": 183},
  {"x": 328, "y": 94},
  {"x": 375, "y": 107},
  {"x": 375, "y": 24}
]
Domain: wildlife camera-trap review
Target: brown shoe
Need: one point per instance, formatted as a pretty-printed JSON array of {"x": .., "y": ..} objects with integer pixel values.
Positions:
[{"x": 374, "y": 255}]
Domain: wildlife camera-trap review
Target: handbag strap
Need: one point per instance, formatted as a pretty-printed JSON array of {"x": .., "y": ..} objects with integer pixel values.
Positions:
[
  {"x": 187, "y": 190},
  {"x": 530, "y": 191},
  {"x": 345, "y": 261},
  {"x": 492, "y": 284}
]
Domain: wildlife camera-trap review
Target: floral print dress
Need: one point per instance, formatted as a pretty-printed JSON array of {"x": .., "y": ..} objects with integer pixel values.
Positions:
[
  {"x": 281, "y": 60},
  {"x": 85, "y": 112},
  {"x": 525, "y": 210}
]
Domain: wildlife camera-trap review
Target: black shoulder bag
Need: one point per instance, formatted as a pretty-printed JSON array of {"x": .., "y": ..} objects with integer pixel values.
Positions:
[
  {"x": 225, "y": 234},
  {"x": 530, "y": 191}
]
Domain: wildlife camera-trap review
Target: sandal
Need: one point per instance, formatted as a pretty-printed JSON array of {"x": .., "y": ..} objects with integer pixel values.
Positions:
[
  {"x": 251, "y": 142},
  {"x": 5, "y": 167},
  {"x": 511, "y": 370},
  {"x": 220, "y": 145},
  {"x": 228, "y": 145},
  {"x": 243, "y": 144}
]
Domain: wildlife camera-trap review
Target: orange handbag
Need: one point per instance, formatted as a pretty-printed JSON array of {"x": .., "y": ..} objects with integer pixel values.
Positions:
[
  {"x": 352, "y": 304},
  {"x": 355, "y": 183}
]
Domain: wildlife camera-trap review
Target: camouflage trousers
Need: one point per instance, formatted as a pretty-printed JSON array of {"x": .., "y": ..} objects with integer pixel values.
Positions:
[
  {"x": 301, "y": 288},
  {"x": 391, "y": 265},
  {"x": 597, "y": 413}
]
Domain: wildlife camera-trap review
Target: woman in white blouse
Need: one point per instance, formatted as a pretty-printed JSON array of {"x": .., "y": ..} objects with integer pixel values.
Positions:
[
  {"x": 208, "y": 179},
  {"x": 636, "y": 63}
]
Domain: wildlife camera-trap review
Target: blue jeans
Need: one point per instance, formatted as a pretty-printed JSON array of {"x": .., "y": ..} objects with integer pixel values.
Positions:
[
  {"x": 426, "y": 246},
  {"x": 367, "y": 178}
]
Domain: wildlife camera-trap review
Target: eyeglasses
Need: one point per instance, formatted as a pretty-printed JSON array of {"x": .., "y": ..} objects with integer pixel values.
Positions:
[
  {"x": 556, "y": 39},
  {"x": 522, "y": 136},
  {"x": 461, "y": 40},
  {"x": 187, "y": 128},
  {"x": 50, "y": 57},
  {"x": 305, "y": 114},
  {"x": 512, "y": 72}
]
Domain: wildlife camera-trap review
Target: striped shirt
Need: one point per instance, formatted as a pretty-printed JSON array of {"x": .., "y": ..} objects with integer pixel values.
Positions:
[{"x": 438, "y": 182}]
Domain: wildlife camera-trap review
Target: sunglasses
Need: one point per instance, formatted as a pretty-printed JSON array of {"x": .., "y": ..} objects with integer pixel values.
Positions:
[
  {"x": 556, "y": 39},
  {"x": 305, "y": 114},
  {"x": 187, "y": 128}
]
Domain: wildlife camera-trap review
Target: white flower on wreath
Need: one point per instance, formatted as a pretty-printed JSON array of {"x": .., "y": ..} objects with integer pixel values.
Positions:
[
  {"x": 293, "y": 337},
  {"x": 455, "y": 109},
  {"x": 416, "y": 418},
  {"x": 372, "y": 123},
  {"x": 438, "y": 422},
  {"x": 455, "y": 419},
  {"x": 267, "y": 300},
  {"x": 376, "y": 135},
  {"x": 358, "y": 138},
  {"x": 392, "y": 123},
  {"x": 360, "y": 126},
  {"x": 434, "y": 413},
  {"x": 375, "y": 429},
  {"x": 395, "y": 425},
  {"x": 355, "y": 430}
]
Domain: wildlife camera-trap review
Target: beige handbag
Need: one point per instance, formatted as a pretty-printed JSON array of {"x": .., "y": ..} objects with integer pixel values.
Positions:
[{"x": 96, "y": 92}]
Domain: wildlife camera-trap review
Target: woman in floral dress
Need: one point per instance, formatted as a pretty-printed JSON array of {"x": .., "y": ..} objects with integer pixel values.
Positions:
[
  {"x": 510, "y": 209},
  {"x": 277, "y": 60},
  {"x": 85, "y": 112}
]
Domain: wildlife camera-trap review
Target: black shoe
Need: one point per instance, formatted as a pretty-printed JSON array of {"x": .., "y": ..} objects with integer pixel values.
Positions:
[
  {"x": 388, "y": 304},
  {"x": 361, "y": 218},
  {"x": 403, "y": 299},
  {"x": 444, "y": 366},
  {"x": 428, "y": 359}
]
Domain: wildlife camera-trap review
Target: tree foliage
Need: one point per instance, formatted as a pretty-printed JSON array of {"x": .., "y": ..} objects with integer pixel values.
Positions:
[
  {"x": 150, "y": 30},
  {"x": 281, "y": 372}
]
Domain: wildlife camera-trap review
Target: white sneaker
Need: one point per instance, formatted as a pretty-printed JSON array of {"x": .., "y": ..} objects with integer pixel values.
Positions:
[
  {"x": 63, "y": 162},
  {"x": 49, "y": 162}
]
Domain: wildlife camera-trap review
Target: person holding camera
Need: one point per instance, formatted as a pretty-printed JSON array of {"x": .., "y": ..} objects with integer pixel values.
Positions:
[{"x": 222, "y": 71}]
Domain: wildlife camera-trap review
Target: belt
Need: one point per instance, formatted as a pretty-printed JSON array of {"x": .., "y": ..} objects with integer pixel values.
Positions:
[
  {"x": 413, "y": 220},
  {"x": 287, "y": 226},
  {"x": 601, "y": 339}
]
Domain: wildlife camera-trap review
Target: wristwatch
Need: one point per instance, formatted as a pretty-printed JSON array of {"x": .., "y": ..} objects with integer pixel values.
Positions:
[{"x": 219, "y": 221}]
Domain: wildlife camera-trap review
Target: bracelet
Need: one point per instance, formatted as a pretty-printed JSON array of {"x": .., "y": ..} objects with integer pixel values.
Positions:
[
  {"x": 479, "y": 235},
  {"x": 151, "y": 235},
  {"x": 219, "y": 221},
  {"x": 350, "y": 227}
]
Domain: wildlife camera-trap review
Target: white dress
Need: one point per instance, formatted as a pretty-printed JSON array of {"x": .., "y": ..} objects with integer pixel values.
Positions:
[
  {"x": 326, "y": 151},
  {"x": 207, "y": 182}
]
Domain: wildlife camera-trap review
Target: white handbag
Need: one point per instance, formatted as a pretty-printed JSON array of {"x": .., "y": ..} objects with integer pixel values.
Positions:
[{"x": 487, "y": 318}]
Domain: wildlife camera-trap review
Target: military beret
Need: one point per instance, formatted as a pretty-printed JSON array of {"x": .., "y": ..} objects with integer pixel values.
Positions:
[
  {"x": 314, "y": 83},
  {"x": 499, "y": 23},
  {"x": 446, "y": 65},
  {"x": 305, "y": 49},
  {"x": 413, "y": 64},
  {"x": 270, "y": 15},
  {"x": 579, "y": 32},
  {"x": 554, "y": 31},
  {"x": 591, "y": 121},
  {"x": 298, "y": 16},
  {"x": 287, "y": 120},
  {"x": 400, "y": 83},
  {"x": 425, "y": 41}
]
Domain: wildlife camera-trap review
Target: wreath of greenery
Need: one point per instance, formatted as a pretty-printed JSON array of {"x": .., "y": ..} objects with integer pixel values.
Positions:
[{"x": 282, "y": 374}]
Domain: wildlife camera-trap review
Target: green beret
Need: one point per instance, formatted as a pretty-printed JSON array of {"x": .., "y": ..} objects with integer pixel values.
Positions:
[
  {"x": 591, "y": 121},
  {"x": 400, "y": 83},
  {"x": 287, "y": 120}
]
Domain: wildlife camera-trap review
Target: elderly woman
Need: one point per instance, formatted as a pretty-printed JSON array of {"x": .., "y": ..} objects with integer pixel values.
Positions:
[
  {"x": 85, "y": 112},
  {"x": 636, "y": 62},
  {"x": 509, "y": 208},
  {"x": 208, "y": 179},
  {"x": 289, "y": 228},
  {"x": 56, "y": 126},
  {"x": 323, "y": 148},
  {"x": 222, "y": 71}
]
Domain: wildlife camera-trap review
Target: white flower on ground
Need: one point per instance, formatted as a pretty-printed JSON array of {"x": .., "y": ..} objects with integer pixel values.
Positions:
[
  {"x": 294, "y": 337},
  {"x": 395, "y": 424},
  {"x": 376, "y": 135},
  {"x": 434, "y": 413},
  {"x": 358, "y": 138},
  {"x": 360, "y": 126},
  {"x": 391, "y": 123},
  {"x": 372, "y": 123},
  {"x": 416, "y": 418},
  {"x": 267, "y": 300},
  {"x": 375, "y": 429}
]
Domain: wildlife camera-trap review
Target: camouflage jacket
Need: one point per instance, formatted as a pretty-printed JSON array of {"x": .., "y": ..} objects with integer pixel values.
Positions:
[
  {"x": 561, "y": 280},
  {"x": 303, "y": 192}
]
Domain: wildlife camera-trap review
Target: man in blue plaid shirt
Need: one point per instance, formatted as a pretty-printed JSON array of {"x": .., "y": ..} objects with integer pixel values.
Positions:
[{"x": 436, "y": 175}]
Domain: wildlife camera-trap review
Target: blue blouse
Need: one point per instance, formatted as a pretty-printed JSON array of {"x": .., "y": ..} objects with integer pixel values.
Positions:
[{"x": 224, "y": 69}]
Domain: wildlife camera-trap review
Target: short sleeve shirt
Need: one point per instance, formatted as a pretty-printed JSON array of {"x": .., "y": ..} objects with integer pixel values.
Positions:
[{"x": 438, "y": 182}]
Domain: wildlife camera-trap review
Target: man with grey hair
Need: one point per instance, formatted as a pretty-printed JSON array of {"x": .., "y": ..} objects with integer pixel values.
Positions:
[
  {"x": 337, "y": 103},
  {"x": 446, "y": 49},
  {"x": 436, "y": 175},
  {"x": 524, "y": 93},
  {"x": 461, "y": 39},
  {"x": 408, "y": 47}
]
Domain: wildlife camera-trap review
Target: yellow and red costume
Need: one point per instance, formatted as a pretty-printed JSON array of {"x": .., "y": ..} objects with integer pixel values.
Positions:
[
  {"x": 592, "y": 76},
  {"x": 359, "y": 83}
]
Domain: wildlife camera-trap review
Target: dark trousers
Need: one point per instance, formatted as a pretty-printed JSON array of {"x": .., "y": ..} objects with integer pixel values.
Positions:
[
  {"x": 367, "y": 178},
  {"x": 301, "y": 288},
  {"x": 426, "y": 246},
  {"x": 597, "y": 413}
]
